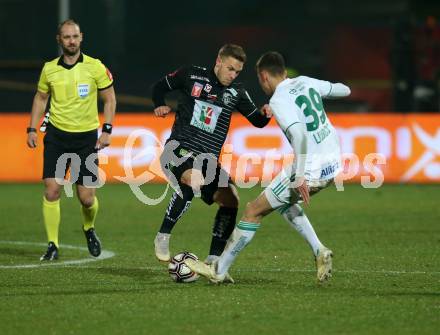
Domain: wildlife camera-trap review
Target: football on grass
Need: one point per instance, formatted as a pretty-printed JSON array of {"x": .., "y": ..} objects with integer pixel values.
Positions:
[{"x": 178, "y": 270}]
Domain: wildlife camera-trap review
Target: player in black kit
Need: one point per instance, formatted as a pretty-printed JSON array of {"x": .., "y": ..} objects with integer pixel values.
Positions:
[{"x": 190, "y": 159}]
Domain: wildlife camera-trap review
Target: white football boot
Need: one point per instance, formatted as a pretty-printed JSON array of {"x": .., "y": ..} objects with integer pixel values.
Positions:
[
  {"x": 205, "y": 270},
  {"x": 162, "y": 247},
  {"x": 213, "y": 259},
  {"x": 324, "y": 264}
]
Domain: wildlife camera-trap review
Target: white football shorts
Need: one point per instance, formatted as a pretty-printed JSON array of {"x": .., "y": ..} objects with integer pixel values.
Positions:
[{"x": 281, "y": 192}]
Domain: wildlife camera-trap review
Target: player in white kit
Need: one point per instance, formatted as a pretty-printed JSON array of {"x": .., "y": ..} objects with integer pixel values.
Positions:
[{"x": 297, "y": 106}]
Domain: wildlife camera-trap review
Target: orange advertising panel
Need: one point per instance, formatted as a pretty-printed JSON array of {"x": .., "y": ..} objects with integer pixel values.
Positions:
[{"x": 402, "y": 148}]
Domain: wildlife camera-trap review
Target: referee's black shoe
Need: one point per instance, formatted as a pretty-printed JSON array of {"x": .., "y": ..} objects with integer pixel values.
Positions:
[
  {"x": 51, "y": 253},
  {"x": 93, "y": 242}
]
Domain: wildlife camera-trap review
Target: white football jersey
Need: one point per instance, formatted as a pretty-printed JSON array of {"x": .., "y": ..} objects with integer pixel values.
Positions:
[{"x": 299, "y": 100}]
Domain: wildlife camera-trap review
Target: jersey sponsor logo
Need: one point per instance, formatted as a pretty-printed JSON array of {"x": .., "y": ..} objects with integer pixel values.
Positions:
[
  {"x": 83, "y": 90},
  {"x": 109, "y": 74},
  {"x": 293, "y": 91},
  {"x": 298, "y": 88},
  {"x": 205, "y": 116},
  {"x": 329, "y": 170},
  {"x": 193, "y": 76},
  {"x": 196, "y": 90},
  {"x": 207, "y": 88}
]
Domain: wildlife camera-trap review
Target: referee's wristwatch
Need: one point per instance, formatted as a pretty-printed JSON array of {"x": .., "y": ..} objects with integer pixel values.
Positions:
[
  {"x": 107, "y": 128},
  {"x": 31, "y": 130}
]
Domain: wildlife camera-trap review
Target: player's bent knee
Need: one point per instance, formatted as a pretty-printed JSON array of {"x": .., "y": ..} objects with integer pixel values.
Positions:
[
  {"x": 235, "y": 199},
  {"x": 87, "y": 201},
  {"x": 192, "y": 178},
  {"x": 52, "y": 190},
  {"x": 231, "y": 202},
  {"x": 195, "y": 186},
  {"x": 52, "y": 194},
  {"x": 226, "y": 197}
]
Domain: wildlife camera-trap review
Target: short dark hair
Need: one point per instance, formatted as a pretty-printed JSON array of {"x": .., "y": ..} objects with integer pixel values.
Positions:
[
  {"x": 68, "y": 21},
  {"x": 234, "y": 51},
  {"x": 272, "y": 62}
]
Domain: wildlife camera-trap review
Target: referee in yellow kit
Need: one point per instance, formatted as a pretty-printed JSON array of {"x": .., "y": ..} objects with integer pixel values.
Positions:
[{"x": 73, "y": 82}]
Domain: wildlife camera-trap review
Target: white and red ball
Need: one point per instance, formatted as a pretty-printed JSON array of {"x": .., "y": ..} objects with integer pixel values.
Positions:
[{"x": 178, "y": 270}]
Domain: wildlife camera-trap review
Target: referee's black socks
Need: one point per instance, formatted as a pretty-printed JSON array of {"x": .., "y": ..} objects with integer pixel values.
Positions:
[
  {"x": 176, "y": 208},
  {"x": 223, "y": 227}
]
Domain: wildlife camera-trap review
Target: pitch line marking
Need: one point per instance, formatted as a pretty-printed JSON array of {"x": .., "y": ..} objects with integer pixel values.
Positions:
[
  {"x": 105, "y": 254},
  {"x": 157, "y": 268}
]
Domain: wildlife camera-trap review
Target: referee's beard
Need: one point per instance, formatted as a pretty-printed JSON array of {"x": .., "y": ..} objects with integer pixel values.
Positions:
[{"x": 70, "y": 51}]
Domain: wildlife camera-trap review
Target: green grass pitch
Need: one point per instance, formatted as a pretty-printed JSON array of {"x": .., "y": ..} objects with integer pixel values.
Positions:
[{"x": 386, "y": 276}]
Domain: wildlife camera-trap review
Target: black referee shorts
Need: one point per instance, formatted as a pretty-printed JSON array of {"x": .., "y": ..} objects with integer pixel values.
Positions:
[
  {"x": 220, "y": 180},
  {"x": 75, "y": 149}
]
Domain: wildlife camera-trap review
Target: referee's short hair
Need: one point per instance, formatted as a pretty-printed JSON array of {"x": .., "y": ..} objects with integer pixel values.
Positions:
[
  {"x": 272, "y": 62},
  {"x": 68, "y": 21},
  {"x": 234, "y": 51}
]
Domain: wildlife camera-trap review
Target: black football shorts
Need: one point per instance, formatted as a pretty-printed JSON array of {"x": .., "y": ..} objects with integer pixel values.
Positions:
[
  {"x": 219, "y": 179},
  {"x": 71, "y": 150}
]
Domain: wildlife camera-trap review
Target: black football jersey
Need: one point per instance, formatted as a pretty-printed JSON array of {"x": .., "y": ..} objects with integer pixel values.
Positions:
[{"x": 204, "y": 109}]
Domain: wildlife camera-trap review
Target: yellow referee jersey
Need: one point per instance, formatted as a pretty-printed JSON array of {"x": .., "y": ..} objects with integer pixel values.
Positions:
[{"x": 73, "y": 90}]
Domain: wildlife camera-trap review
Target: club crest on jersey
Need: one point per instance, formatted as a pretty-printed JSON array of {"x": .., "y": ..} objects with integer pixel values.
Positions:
[
  {"x": 196, "y": 90},
  {"x": 83, "y": 90},
  {"x": 227, "y": 98},
  {"x": 207, "y": 88}
]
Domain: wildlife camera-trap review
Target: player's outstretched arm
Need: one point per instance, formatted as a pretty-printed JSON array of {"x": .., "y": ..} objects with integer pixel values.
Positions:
[
  {"x": 328, "y": 89},
  {"x": 338, "y": 90},
  {"x": 258, "y": 117},
  {"x": 38, "y": 108}
]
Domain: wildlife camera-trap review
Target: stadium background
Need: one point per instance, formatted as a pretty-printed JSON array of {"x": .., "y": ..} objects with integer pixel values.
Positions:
[
  {"x": 387, "y": 52},
  {"x": 386, "y": 240}
]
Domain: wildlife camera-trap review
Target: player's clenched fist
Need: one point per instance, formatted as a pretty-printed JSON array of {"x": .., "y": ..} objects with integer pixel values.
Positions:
[
  {"x": 266, "y": 111},
  {"x": 162, "y": 111}
]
